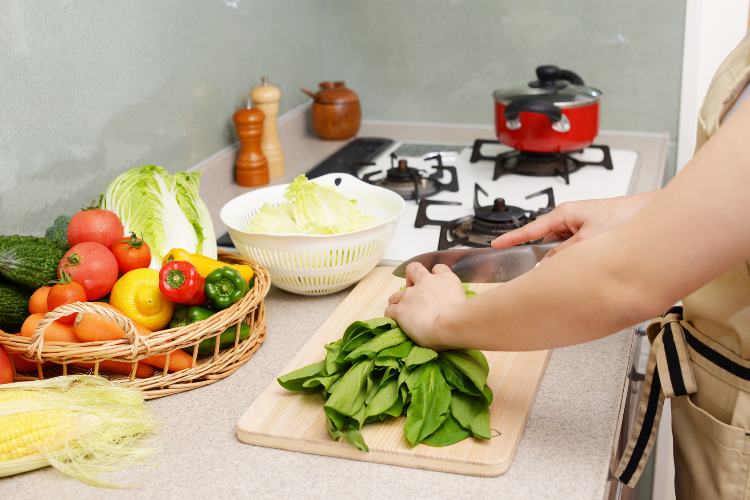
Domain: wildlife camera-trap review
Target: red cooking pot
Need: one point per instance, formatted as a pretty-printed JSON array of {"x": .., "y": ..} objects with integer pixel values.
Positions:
[{"x": 556, "y": 113}]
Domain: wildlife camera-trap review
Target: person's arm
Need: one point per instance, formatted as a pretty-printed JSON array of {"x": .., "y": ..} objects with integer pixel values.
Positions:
[{"x": 695, "y": 229}]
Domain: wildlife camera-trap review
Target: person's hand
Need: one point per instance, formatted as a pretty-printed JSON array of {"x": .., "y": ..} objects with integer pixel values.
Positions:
[
  {"x": 417, "y": 308},
  {"x": 575, "y": 221}
]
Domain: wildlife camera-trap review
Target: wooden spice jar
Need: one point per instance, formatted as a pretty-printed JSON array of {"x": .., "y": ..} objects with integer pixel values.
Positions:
[{"x": 336, "y": 114}]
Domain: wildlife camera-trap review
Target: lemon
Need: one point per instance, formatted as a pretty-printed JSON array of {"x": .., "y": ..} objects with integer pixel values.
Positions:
[{"x": 137, "y": 295}]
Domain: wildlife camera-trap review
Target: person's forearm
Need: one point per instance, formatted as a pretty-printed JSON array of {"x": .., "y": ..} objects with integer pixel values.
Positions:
[
  {"x": 572, "y": 298},
  {"x": 691, "y": 232}
]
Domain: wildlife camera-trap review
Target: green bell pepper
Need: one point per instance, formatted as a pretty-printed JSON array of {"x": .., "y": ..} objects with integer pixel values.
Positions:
[
  {"x": 226, "y": 340},
  {"x": 189, "y": 315},
  {"x": 211, "y": 307},
  {"x": 225, "y": 286}
]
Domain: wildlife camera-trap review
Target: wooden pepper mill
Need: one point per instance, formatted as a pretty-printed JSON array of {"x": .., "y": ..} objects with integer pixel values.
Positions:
[
  {"x": 251, "y": 165},
  {"x": 266, "y": 98}
]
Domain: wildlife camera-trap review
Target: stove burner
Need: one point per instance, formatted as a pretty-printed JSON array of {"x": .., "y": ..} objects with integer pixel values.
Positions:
[
  {"x": 537, "y": 164},
  {"x": 487, "y": 223},
  {"x": 412, "y": 183}
]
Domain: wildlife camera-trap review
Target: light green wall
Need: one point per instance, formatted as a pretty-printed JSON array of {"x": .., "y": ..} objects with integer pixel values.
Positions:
[
  {"x": 91, "y": 88},
  {"x": 440, "y": 60}
]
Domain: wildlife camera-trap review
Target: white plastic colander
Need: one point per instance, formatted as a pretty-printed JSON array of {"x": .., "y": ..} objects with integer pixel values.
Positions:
[{"x": 309, "y": 264}]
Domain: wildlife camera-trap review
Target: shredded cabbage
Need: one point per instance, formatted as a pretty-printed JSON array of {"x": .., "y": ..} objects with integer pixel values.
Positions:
[
  {"x": 165, "y": 209},
  {"x": 310, "y": 209}
]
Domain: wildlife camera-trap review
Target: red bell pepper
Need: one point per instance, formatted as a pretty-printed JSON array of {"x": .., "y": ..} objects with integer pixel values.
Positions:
[{"x": 180, "y": 282}]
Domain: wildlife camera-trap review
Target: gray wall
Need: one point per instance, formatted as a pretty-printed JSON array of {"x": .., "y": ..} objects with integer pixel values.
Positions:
[
  {"x": 440, "y": 60},
  {"x": 90, "y": 88}
]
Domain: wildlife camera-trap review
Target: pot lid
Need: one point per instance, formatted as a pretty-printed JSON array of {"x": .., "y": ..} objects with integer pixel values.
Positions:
[
  {"x": 335, "y": 93},
  {"x": 563, "y": 88}
]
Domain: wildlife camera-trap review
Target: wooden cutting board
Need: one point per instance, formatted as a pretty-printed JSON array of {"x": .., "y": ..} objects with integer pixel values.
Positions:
[{"x": 295, "y": 421}]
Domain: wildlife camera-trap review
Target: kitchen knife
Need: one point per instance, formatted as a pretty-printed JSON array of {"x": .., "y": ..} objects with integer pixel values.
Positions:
[{"x": 483, "y": 265}]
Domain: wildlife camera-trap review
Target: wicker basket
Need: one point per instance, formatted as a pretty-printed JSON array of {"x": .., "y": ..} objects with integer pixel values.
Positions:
[{"x": 206, "y": 369}]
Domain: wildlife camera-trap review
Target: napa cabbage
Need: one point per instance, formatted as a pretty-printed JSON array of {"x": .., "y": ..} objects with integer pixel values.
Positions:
[
  {"x": 310, "y": 209},
  {"x": 164, "y": 208}
]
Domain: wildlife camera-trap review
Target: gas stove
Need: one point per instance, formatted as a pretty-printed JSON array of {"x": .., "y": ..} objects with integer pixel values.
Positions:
[{"x": 460, "y": 217}]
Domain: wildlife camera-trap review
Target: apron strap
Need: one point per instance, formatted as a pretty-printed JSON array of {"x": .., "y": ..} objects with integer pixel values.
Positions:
[{"x": 668, "y": 374}]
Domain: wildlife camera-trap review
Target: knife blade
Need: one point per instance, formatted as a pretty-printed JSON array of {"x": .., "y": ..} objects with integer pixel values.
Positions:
[{"x": 483, "y": 265}]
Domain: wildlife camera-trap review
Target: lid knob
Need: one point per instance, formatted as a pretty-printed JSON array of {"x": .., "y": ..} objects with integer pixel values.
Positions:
[
  {"x": 548, "y": 76},
  {"x": 402, "y": 166}
]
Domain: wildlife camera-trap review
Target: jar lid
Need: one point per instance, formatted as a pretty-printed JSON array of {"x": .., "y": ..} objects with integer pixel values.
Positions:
[
  {"x": 335, "y": 93},
  {"x": 563, "y": 88}
]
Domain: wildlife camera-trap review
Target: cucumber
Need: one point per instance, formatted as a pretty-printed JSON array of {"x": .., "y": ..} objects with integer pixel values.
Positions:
[
  {"x": 30, "y": 261},
  {"x": 14, "y": 305}
]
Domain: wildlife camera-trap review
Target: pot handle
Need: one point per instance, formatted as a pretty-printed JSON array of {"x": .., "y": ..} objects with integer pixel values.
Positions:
[
  {"x": 560, "y": 122},
  {"x": 573, "y": 78}
]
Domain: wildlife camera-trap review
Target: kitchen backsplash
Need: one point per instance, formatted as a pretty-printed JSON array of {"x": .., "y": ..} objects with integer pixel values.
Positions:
[
  {"x": 90, "y": 89},
  {"x": 440, "y": 60}
]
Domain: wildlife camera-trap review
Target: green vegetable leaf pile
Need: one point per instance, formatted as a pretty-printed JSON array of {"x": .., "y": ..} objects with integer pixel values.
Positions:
[
  {"x": 310, "y": 209},
  {"x": 375, "y": 371}
]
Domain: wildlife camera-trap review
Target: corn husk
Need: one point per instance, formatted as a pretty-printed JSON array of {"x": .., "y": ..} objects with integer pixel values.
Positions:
[{"x": 103, "y": 426}]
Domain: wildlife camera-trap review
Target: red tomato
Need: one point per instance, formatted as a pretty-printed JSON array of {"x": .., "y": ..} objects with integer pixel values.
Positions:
[
  {"x": 92, "y": 266},
  {"x": 95, "y": 225},
  {"x": 6, "y": 370},
  {"x": 65, "y": 293},
  {"x": 131, "y": 253}
]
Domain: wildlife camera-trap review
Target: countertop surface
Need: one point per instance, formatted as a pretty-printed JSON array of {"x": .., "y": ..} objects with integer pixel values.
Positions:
[{"x": 565, "y": 451}]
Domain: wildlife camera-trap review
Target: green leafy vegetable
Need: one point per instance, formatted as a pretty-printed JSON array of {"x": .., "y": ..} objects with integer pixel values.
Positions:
[
  {"x": 430, "y": 400},
  {"x": 374, "y": 371},
  {"x": 165, "y": 209},
  {"x": 450, "y": 432},
  {"x": 468, "y": 366},
  {"x": 419, "y": 355},
  {"x": 294, "y": 381},
  {"x": 272, "y": 219},
  {"x": 472, "y": 414},
  {"x": 479, "y": 356},
  {"x": 469, "y": 293},
  {"x": 370, "y": 349},
  {"x": 310, "y": 209}
]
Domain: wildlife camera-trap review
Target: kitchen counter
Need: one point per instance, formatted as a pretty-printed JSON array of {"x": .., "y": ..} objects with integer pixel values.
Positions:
[{"x": 565, "y": 451}]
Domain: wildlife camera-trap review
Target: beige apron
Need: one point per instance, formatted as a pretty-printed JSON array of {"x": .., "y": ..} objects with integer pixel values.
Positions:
[{"x": 700, "y": 357}]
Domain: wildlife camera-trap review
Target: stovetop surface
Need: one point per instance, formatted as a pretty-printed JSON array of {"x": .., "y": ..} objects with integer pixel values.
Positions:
[{"x": 591, "y": 182}]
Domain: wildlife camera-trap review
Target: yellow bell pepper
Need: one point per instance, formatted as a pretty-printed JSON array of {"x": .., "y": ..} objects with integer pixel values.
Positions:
[{"x": 204, "y": 264}]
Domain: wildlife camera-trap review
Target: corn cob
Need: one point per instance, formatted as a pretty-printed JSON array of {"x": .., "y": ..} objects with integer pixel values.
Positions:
[
  {"x": 81, "y": 425},
  {"x": 26, "y": 433}
]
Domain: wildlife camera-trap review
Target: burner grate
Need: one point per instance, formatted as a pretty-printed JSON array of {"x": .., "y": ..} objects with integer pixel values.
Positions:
[
  {"x": 537, "y": 164},
  {"x": 487, "y": 223},
  {"x": 412, "y": 183}
]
